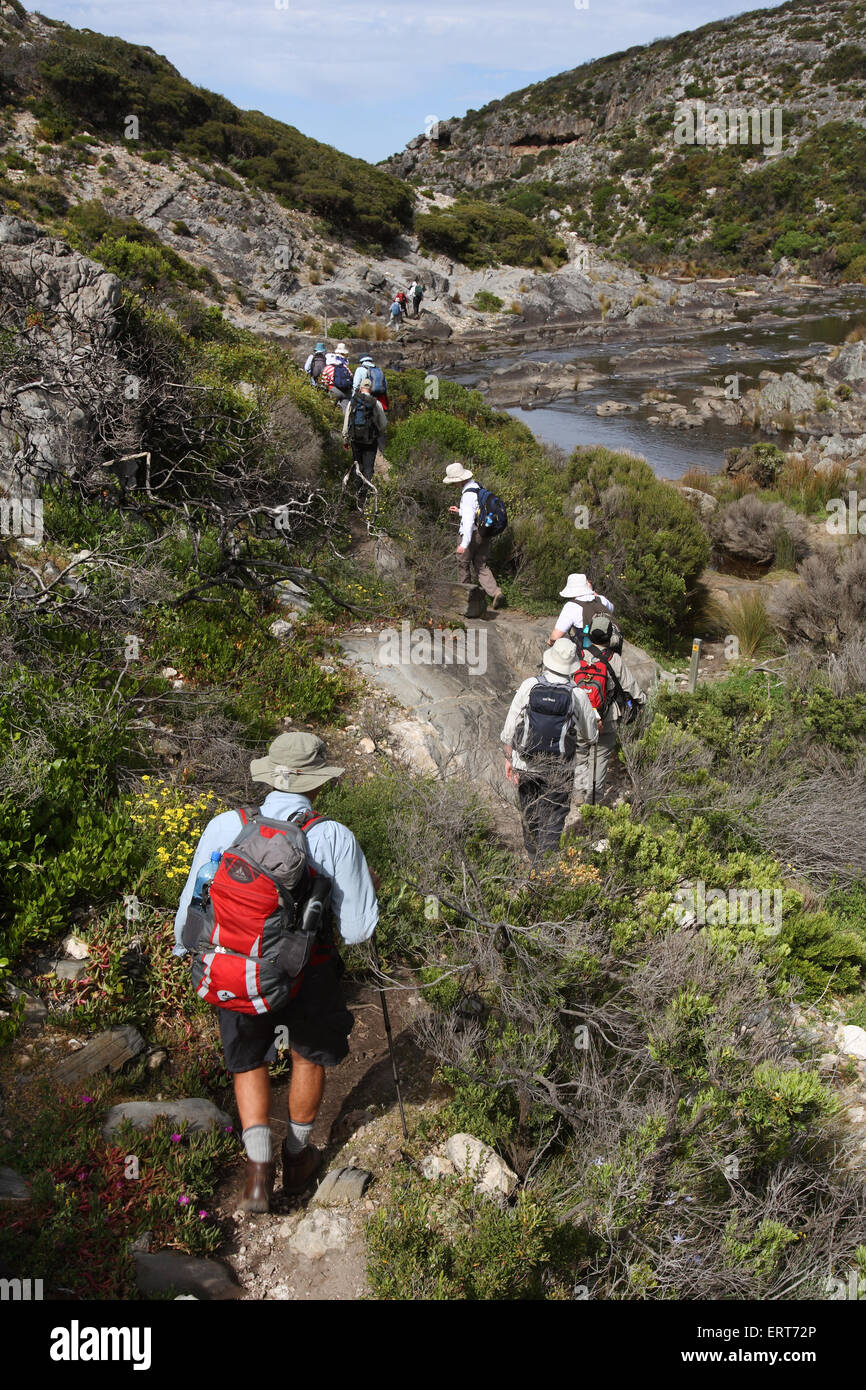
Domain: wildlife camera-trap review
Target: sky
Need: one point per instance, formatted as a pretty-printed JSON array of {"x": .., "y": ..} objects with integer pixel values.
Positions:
[{"x": 367, "y": 75}]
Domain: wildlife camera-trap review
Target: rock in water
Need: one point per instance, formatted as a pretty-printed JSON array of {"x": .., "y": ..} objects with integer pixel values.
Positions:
[
  {"x": 320, "y": 1233},
  {"x": 490, "y": 1172},
  {"x": 200, "y": 1115}
]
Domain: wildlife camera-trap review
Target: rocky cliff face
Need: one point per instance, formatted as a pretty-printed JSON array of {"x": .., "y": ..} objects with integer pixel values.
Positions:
[
  {"x": 572, "y": 127},
  {"x": 57, "y": 338}
]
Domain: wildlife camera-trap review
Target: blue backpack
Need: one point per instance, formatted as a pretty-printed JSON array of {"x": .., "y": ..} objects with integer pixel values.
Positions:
[
  {"x": 491, "y": 517},
  {"x": 378, "y": 385},
  {"x": 342, "y": 377}
]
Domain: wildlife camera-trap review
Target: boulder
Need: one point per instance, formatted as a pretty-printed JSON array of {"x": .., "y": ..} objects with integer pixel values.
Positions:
[
  {"x": 200, "y": 1115},
  {"x": 849, "y": 364},
  {"x": 704, "y": 501},
  {"x": 35, "y": 1012},
  {"x": 321, "y": 1232},
  {"x": 74, "y": 948},
  {"x": 787, "y": 394},
  {"x": 852, "y": 1041},
  {"x": 169, "y": 1269},
  {"x": 14, "y": 1190},
  {"x": 434, "y": 1166},
  {"x": 453, "y": 600},
  {"x": 71, "y": 969},
  {"x": 490, "y": 1172}
]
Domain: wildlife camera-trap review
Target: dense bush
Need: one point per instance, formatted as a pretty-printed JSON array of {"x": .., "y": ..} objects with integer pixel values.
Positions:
[
  {"x": 480, "y": 235},
  {"x": 755, "y": 530}
]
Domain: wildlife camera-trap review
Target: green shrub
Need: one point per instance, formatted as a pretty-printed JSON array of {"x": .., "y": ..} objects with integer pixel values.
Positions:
[
  {"x": 485, "y": 301},
  {"x": 480, "y": 235}
]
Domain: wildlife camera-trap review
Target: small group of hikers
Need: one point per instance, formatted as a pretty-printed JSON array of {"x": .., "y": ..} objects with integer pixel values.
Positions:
[
  {"x": 269, "y": 884},
  {"x": 363, "y": 394},
  {"x": 561, "y": 728},
  {"x": 399, "y": 309}
]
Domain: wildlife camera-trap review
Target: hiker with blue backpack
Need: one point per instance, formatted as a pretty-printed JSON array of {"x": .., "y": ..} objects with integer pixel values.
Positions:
[
  {"x": 368, "y": 371},
  {"x": 549, "y": 716},
  {"x": 337, "y": 376},
  {"x": 482, "y": 518},
  {"x": 256, "y": 917}
]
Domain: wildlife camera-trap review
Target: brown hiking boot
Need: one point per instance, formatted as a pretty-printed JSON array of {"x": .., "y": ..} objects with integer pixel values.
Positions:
[
  {"x": 300, "y": 1169},
  {"x": 498, "y": 601},
  {"x": 259, "y": 1186}
]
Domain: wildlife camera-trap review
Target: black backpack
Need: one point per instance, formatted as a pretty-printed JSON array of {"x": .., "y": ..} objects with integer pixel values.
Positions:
[
  {"x": 549, "y": 724},
  {"x": 492, "y": 516},
  {"x": 363, "y": 428},
  {"x": 317, "y": 366}
]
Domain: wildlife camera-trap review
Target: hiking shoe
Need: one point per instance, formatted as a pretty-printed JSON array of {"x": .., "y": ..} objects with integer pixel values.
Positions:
[
  {"x": 300, "y": 1169},
  {"x": 259, "y": 1186},
  {"x": 498, "y": 601}
]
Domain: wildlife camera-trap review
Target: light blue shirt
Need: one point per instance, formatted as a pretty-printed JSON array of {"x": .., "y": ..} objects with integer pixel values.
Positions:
[
  {"x": 361, "y": 374},
  {"x": 333, "y": 851}
]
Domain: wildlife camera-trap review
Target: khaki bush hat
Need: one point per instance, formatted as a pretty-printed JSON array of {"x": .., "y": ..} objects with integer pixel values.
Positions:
[
  {"x": 577, "y": 586},
  {"x": 294, "y": 763},
  {"x": 456, "y": 473},
  {"x": 563, "y": 657}
]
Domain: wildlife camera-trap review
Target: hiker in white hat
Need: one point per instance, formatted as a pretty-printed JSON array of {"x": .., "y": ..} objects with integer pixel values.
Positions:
[
  {"x": 315, "y": 1018},
  {"x": 547, "y": 717},
  {"x": 336, "y": 377},
  {"x": 472, "y": 547},
  {"x": 582, "y": 604}
]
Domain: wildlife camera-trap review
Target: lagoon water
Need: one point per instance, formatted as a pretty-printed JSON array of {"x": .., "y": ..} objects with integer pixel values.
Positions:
[{"x": 753, "y": 344}]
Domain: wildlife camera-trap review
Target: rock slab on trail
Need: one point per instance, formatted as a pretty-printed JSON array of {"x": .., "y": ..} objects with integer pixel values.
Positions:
[
  {"x": 320, "y": 1233},
  {"x": 200, "y": 1115},
  {"x": 169, "y": 1269},
  {"x": 341, "y": 1185},
  {"x": 107, "y": 1051}
]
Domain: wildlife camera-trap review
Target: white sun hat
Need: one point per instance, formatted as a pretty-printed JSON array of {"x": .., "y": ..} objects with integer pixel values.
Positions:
[
  {"x": 563, "y": 657},
  {"x": 342, "y": 350},
  {"x": 456, "y": 473},
  {"x": 578, "y": 587}
]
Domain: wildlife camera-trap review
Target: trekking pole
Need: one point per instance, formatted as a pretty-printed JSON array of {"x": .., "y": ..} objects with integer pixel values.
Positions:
[
  {"x": 594, "y": 758},
  {"x": 390, "y": 1038}
]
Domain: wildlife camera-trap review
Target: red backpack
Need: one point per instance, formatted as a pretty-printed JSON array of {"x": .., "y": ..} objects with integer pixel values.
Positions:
[
  {"x": 252, "y": 940},
  {"x": 592, "y": 677}
]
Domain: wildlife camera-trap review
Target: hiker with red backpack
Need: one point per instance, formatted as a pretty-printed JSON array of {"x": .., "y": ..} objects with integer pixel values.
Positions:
[
  {"x": 613, "y": 692},
  {"x": 255, "y": 917},
  {"x": 364, "y": 430},
  {"x": 482, "y": 518},
  {"x": 549, "y": 716}
]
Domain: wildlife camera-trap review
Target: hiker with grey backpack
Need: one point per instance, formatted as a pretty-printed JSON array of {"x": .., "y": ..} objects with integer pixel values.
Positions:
[
  {"x": 613, "y": 692},
  {"x": 256, "y": 916},
  {"x": 482, "y": 517},
  {"x": 548, "y": 717},
  {"x": 364, "y": 431}
]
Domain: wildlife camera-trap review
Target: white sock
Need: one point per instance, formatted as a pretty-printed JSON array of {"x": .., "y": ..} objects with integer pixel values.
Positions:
[
  {"x": 257, "y": 1142},
  {"x": 298, "y": 1137}
]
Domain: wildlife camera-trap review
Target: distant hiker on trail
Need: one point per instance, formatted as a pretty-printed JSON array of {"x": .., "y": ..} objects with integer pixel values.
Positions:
[
  {"x": 396, "y": 314},
  {"x": 416, "y": 294},
  {"x": 583, "y": 603},
  {"x": 616, "y": 697},
  {"x": 336, "y": 377},
  {"x": 475, "y": 537},
  {"x": 368, "y": 371},
  {"x": 400, "y": 298},
  {"x": 272, "y": 983},
  {"x": 364, "y": 431},
  {"x": 316, "y": 363},
  {"x": 548, "y": 716}
]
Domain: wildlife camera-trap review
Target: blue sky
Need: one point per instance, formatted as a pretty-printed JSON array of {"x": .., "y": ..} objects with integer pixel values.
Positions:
[{"x": 367, "y": 76}]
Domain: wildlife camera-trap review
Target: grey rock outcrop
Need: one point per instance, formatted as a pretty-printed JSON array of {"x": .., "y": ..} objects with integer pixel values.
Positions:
[{"x": 200, "y": 1115}]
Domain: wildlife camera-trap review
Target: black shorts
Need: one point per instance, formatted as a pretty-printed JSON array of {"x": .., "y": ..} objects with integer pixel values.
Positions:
[{"x": 317, "y": 1020}]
